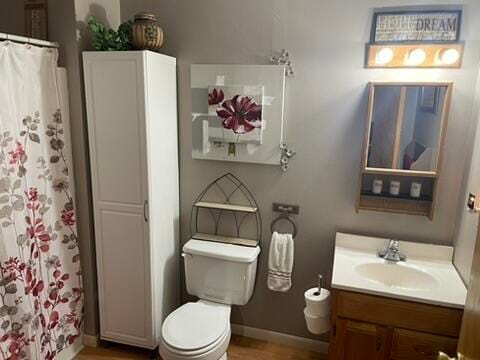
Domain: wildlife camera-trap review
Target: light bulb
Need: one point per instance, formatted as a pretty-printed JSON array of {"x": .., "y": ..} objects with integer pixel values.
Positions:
[
  {"x": 384, "y": 56},
  {"x": 449, "y": 56},
  {"x": 416, "y": 57}
]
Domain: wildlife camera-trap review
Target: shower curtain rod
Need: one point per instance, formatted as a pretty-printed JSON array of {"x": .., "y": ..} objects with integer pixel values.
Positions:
[{"x": 26, "y": 40}]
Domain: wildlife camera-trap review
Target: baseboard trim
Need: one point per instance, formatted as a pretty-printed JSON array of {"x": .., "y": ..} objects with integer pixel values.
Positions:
[
  {"x": 91, "y": 340},
  {"x": 72, "y": 351},
  {"x": 282, "y": 339}
]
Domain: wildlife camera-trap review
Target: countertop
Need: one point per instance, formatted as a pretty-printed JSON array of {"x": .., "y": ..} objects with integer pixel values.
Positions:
[{"x": 424, "y": 262}]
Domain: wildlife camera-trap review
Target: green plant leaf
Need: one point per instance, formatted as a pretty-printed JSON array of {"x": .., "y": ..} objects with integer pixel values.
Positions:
[{"x": 108, "y": 39}]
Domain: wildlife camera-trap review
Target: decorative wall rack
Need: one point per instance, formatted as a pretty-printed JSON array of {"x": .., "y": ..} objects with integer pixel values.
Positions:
[{"x": 226, "y": 211}]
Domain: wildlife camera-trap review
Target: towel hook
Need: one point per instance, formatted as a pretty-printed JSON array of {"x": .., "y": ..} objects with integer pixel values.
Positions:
[{"x": 285, "y": 211}]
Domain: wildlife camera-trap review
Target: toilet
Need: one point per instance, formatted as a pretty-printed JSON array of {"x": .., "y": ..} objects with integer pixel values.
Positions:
[{"x": 220, "y": 275}]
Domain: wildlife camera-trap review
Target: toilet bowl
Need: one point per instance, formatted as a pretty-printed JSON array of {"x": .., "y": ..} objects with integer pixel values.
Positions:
[{"x": 196, "y": 331}]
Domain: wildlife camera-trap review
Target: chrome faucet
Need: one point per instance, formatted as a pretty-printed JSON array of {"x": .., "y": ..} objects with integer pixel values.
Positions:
[{"x": 392, "y": 253}]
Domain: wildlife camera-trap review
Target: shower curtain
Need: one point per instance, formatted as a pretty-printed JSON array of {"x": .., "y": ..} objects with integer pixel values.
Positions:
[{"x": 41, "y": 301}]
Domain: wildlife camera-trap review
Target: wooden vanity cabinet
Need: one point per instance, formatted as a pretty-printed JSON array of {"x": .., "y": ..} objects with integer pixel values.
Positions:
[{"x": 367, "y": 327}]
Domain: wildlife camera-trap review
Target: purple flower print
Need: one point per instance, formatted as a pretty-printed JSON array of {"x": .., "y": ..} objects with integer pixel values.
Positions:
[
  {"x": 215, "y": 97},
  {"x": 240, "y": 114}
]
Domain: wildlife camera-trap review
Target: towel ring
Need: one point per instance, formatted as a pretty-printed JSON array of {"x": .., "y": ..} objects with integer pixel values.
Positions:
[{"x": 286, "y": 217}]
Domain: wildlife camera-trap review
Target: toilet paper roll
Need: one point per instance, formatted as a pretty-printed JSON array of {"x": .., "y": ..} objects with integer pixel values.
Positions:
[
  {"x": 317, "y": 324},
  {"x": 318, "y": 304}
]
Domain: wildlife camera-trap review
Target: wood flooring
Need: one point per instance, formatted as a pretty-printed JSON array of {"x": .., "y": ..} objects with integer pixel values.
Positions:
[{"x": 241, "y": 348}]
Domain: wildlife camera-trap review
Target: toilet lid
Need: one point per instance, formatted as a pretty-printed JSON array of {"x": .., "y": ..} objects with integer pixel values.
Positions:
[{"x": 196, "y": 325}]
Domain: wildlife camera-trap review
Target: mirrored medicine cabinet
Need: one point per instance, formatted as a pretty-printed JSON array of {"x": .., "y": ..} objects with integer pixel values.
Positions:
[{"x": 404, "y": 138}]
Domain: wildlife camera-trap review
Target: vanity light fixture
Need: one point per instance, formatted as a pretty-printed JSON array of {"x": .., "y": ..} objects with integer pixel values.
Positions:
[
  {"x": 448, "y": 56},
  {"x": 414, "y": 55},
  {"x": 384, "y": 56}
]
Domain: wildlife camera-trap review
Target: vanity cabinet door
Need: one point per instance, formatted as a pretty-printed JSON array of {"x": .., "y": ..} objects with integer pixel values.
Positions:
[
  {"x": 412, "y": 345},
  {"x": 360, "y": 341}
]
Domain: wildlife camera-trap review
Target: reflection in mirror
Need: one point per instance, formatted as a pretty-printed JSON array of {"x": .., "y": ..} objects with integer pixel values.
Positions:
[{"x": 405, "y": 129}]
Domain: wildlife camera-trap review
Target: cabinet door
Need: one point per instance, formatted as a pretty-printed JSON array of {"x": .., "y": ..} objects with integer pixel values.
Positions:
[
  {"x": 360, "y": 341},
  {"x": 116, "y": 122},
  {"x": 412, "y": 345}
]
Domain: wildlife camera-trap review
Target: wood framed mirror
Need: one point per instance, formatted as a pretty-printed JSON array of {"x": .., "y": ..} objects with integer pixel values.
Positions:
[
  {"x": 404, "y": 140},
  {"x": 405, "y": 130}
]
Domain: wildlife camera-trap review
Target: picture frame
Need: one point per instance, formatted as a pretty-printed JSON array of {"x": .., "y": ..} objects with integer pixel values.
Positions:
[
  {"x": 237, "y": 112},
  {"x": 36, "y": 19}
]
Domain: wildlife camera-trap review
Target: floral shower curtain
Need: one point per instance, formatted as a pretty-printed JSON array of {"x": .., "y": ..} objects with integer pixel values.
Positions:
[{"x": 41, "y": 301}]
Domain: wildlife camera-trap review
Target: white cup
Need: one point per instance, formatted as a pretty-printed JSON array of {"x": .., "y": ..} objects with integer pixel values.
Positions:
[
  {"x": 394, "y": 187},
  {"x": 415, "y": 189},
  {"x": 377, "y": 186}
]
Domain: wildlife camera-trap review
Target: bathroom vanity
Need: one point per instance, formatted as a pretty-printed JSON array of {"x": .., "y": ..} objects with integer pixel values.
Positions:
[{"x": 394, "y": 311}]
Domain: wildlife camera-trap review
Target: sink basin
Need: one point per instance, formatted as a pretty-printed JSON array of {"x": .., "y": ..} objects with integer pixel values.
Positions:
[
  {"x": 428, "y": 276},
  {"x": 400, "y": 276}
]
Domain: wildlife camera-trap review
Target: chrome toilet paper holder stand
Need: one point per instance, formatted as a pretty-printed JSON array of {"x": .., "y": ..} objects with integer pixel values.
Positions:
[{"x": 320, "y": 285}]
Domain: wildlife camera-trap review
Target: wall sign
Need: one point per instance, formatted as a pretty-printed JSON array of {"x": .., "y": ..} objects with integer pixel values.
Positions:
[{"x": 416, "y": 26}]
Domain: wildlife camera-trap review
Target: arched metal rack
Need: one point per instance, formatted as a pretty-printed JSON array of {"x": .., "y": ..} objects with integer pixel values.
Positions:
[{"x": 226, "y": 197}]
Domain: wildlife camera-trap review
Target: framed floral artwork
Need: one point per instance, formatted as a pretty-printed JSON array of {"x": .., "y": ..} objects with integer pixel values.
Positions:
[{"x": 237, "y": 112}]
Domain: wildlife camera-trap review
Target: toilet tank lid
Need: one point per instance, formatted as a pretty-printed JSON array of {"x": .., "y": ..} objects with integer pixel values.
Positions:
[{"x": 222, "y": 251}]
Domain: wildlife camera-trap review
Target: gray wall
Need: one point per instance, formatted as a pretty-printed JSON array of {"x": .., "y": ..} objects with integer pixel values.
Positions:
[
  {"x": 325, "y": 113},
  {"x": 467, "y": 222},
  {"x": 12, "y": 18}
]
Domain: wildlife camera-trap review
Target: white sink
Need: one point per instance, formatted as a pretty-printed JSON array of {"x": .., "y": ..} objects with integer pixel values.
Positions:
[
  {"x": 399, "y": 275},
  {"x": 427, "y": 276}
]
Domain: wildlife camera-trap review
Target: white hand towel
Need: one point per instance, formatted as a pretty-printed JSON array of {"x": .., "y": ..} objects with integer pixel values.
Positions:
[{"x": 280, "y": 262}]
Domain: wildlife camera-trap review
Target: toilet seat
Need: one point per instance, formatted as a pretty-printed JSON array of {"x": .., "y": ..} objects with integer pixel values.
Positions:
[
  {"x": 213, "y": 352},
  {"x": 198, "y": 330}
]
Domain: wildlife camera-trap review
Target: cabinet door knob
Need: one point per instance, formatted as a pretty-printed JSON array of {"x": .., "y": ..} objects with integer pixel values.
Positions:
[{"x": 443, "y": 356}]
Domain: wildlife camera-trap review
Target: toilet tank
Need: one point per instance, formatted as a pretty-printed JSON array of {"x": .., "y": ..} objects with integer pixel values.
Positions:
[{"x": 218, "y": 272}]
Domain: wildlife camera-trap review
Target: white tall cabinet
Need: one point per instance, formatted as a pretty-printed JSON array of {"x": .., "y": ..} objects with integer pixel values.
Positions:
[{"x": 131, "y": 100}]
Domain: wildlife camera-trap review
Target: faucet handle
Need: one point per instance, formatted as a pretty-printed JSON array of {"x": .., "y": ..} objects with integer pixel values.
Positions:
[{"x": 393, "y": 244}]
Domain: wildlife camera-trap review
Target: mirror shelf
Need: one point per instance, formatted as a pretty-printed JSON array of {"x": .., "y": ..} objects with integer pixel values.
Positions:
[
  {"x": 399, "y": 172},
  {"x": 396, "y": 205}
]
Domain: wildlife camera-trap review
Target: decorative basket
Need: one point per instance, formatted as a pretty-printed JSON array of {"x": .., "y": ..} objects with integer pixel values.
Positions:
[{"x": 146, "y": 33}]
